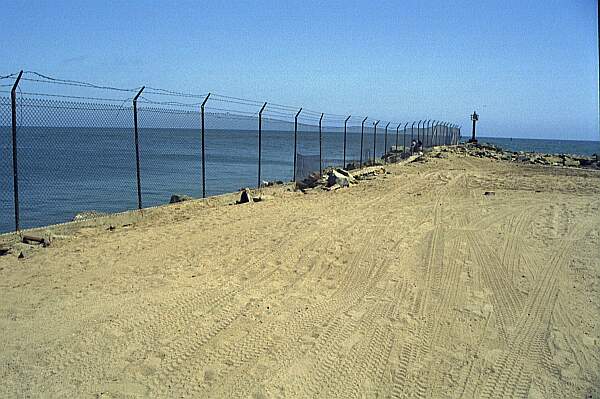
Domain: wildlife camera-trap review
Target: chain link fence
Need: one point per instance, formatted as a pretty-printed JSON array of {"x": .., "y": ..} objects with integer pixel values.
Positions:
[{"x": 79, "y": 155}]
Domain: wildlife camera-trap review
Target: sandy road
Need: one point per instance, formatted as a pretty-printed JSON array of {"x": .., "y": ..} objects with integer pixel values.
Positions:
[{"x": 412, "y": 285}]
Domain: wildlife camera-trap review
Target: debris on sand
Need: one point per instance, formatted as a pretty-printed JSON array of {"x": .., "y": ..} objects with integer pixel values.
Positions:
[
  {"x": 336, "y": 178},
  {"x": 87, "y": 215},
  {"x": 29, "y": 239}
]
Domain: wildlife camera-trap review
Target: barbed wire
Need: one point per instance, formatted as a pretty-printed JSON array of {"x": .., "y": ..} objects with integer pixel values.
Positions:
[
  {"x": 74, "y": 97},
  {"x": 278, "y": 110},
  {"x": 69, "y": 82},
  {"x": 9, "y": 76}
]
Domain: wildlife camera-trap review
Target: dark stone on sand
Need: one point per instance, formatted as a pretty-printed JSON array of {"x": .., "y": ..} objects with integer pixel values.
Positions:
[
  {"x": 245, "y": 197},
  {"x": 175, "y": 198}
]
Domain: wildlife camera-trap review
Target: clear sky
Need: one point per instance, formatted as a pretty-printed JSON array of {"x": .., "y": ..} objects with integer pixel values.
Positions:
[{"x": 529, "y": 67}]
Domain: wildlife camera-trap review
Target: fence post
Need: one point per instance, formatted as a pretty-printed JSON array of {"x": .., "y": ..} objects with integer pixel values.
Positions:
[
  {"x": 345, "y": 123},
  {"x": 419, "y": 131},
  {"x": 362, "y": 133},
  {"x": 296, "y": 141},
  {"x": 412, "y": 138},
  {"x": 433, "y": 133},
  {"x": 203, "y": 151},
  {"x": 375, "y": 141},
  {"x": 260, "y": 140},
  {"x": 385, "y": 142},
  {"x": 13, "y": 99},
  {"x": 448, "y": 132},
  {"x": 137, "y": 147},
  {"x": 404, "y": 138},
  {"x": 427, "y": 136},
  {"x": 397, "y": 129},
  {"x": 320, "y": 146}
]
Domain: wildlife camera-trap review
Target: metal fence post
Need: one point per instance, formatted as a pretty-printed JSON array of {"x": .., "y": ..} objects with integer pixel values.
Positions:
[
  {"x": 13, "y": 99},
  {"x": 419, "y": 131},
  {"x": 137, "y": 147},
  {"x": 320, "y": 146},
  {"x": 296, "y": 140},
  {"x": 426, "y": 134},
  {"x": 397, "y": 133},
  {"x": 404, "y": 138},
  {"x": 385, "y": 142},
  {"x": 345, "y": 123},
  {"x": 203, "y": 151},
  {"x": 433, "y": 133},
  {"x": 375, "y": 140},
  {"x": 260, "y": 140},
  {"x": 412, "y": 138},
  {"x": 362, "y": 133}
]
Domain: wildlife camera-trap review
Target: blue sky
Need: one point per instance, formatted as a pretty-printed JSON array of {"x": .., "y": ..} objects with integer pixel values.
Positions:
[{"x": 529, "y": 67}]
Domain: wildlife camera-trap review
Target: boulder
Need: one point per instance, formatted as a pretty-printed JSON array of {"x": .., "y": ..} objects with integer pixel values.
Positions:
[
  {"x": 571, "y": 162},
  {"x": 245, "y": 197},
  {"x": 553, "y": 160},
  {"x": 175, "y": 198},
  {"x": 340, "y": 177}
]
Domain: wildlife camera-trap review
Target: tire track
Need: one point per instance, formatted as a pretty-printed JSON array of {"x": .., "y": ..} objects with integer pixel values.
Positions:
[
  {"x": 240, "y": 353},
  {"x": 532, "y": 324}
]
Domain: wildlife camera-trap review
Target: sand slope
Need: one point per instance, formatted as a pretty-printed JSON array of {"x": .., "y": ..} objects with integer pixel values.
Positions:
[{"x": 412, "y": 285}]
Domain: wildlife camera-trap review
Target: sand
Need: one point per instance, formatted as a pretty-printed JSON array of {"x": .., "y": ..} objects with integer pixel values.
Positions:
[{"x": 414, "y": 284}]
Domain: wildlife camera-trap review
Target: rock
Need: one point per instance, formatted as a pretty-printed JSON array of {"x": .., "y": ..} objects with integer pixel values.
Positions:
[
  {"x": 4, "y": 249},
  {"x": 262, "y": 197},
  {"x": 522, "y": 158},
  {"x": 489, "y": 193},
  {"x": 22, "y": 255},
  {"x": 571, "y": 162},
  {"x": 175, "y": 198},
  {"x": 87, "y": 215},
  {"x": 245, "y": 197},
  {"x": 553, "y": 160},
  {"x": 341, "y": 177}
]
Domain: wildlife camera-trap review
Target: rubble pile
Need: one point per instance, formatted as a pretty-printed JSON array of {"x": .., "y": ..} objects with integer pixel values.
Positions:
[{"x": 494, "y": 152}]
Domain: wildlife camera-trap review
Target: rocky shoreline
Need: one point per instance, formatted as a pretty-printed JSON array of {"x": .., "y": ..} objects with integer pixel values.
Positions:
[{"x": 493, "y": 152}]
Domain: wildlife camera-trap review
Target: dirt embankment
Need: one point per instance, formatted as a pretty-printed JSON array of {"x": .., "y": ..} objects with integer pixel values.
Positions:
[{"x": 413, "y": 284}]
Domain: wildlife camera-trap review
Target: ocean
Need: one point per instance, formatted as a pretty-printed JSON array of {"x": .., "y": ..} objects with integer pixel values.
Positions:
[{"x": 66, "y": 171}]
